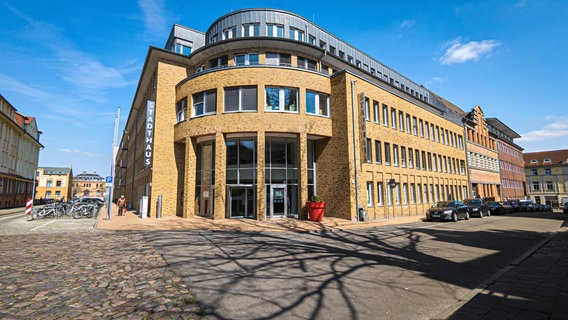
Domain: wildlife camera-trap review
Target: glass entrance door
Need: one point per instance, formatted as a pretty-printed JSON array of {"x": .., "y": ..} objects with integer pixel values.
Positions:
[
  {"x": 279, "y": 200},
  {"x": 241, "y": 202}
]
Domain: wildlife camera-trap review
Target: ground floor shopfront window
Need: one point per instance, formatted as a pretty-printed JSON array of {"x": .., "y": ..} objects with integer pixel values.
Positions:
[{"x": 281, "y": 183}]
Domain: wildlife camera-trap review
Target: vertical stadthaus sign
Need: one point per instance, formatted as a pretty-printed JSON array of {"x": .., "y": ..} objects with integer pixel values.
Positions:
[{"x": 149, "y": 135}]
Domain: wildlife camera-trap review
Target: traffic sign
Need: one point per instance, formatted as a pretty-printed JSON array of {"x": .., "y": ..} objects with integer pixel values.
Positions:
[{"x": 109, "y": 179}]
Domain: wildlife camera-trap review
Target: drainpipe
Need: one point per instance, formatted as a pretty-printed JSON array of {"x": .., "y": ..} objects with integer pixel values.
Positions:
[{"x": 355, "y": 149}]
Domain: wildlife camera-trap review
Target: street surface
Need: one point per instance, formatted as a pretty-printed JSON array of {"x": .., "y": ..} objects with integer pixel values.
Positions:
[
  {"x": 406, "y": 271},
  {"x": 412, "y": 271}
]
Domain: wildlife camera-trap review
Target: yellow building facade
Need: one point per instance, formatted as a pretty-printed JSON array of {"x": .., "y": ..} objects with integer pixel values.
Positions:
[
  {"x": 54, "y": 184},
  {"x": 258, "y": 114}
]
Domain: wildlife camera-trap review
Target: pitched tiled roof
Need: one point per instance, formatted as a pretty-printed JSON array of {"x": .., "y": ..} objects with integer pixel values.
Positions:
[{"x": 555, "y": 156}]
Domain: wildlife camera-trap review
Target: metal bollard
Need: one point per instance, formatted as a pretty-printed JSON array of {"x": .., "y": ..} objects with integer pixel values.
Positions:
[{"x": 159, "y": 207}]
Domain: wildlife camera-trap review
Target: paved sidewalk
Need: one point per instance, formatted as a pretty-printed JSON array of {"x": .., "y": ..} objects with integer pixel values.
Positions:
[
  {"x": 534, "y": 287},
  {"x": 131, "y": 221}
]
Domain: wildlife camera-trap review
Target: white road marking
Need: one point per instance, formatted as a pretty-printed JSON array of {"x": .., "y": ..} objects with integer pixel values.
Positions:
[{"x": 43, "y": 225}]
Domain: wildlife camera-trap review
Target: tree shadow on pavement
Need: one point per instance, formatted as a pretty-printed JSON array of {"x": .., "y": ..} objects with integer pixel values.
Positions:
[{"x": 341, "y": 274}]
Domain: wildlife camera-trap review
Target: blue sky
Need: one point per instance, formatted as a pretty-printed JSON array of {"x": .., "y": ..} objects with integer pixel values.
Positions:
[{"x": 71, "y": 63}]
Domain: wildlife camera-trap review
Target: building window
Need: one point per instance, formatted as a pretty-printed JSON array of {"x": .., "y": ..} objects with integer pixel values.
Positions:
[
  {"x": 370, "y": 198},
  {"x": 279, "y": 59},
  {"x": 393, "y": 118},
  {"x": 322, "y": 44},
  {"x": 534, "y": 161},
  {"x": 312, "y": 40},
  {"x": 219, "y": 62},
  {"x": 281, "y": 99},
  {"x": 421, "y": 124},
  {"x": 57, "y": 194},
  {"x": 275, "y": 30},
  {"x": 241, "y": 161},
  {"x": 395, "y": 154},
  {"x": 296, "y": 34},
  {"x": 246, "y": 59},
  {"x": 378, "y": 154},
  {"x": 366, "y": 110},
  {"x": 546, "y": 160},
  {"x": 397, "y": 193},
  {"x": 419, "y": 193},
  {"x": 317, "y": 103},
  {"x": 229, "y": 33},
  {"x": 401, "y": 120},
  {"x": 427, "y": 130},
  {"x": 387, "y": 154},
  {"x": 462, "y": 167},
  {"x": 183, "y": 49},
  {"x": 534, "y": 172},
  {"x": 414, "y": 126},
  {"x": 385, "y": 115},
  {"x": 379, "y": 193},
  {"x": 49, "y": 184},
  {"x": 239, "y": 99},
  {"x": 412, "y": 194},
  {"x": 403, "y": 156},
  {"x": 181, "y": 108},
  {"x": 375, "y": 111},
  {"x": 332, "y": 50},
  {"x": 251, "y": 30},
  {"x": 204, "y": 103},
  {"x": 306, "y": 63},
  {"x": 58, "y": 183},
  {"x": 405, "y": 193},
  {"x": 417, "y": 159},
  {"x": 547, "y": 172},
  {"x": 549, "y": 186},
  {"x": 369, "y": 151},
  {"x": 48, "y": 194},
  {"x": 536, "y": 186},
  {"x": 410, "y": 157}
]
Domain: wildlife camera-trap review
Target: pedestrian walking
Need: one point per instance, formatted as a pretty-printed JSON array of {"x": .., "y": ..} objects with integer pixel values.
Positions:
[{"x": 121, "y": 203}]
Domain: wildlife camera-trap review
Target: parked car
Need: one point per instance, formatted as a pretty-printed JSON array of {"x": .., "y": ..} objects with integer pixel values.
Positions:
[
  {"x": 525, "y": 205},
  {"x": 96, "y": 201},
  {"x": 546, "y": 208},
  {"x": 516, "y": 205},
  {"x": 477, "y": 207},
  {"x": 447, "y": 210},
  {"x": 507, "y": 206},
  {"x": 565, "y": 210},
  {"x": 495, "y": 208}
]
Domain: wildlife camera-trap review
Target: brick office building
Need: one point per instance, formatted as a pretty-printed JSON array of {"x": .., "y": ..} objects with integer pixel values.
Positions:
[
  {"x": 265, "y": 109},
  {"x": 511, "y": 162}
]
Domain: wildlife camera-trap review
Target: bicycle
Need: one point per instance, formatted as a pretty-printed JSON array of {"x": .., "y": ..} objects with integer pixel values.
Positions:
[{"x": 79, "y": 211}]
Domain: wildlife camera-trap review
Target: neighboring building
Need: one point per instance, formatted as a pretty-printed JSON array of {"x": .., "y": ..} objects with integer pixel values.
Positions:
[
  {"x": 54, "y": 183},
  {"x": 266, "y": 109},
  {"x": 511, "y": 162},
  {"x": 88, "y": 185},
  {"x": 547, "y": 176},
  {"x": 482, "y": 157},
  {"x": 19, "y": 154}
]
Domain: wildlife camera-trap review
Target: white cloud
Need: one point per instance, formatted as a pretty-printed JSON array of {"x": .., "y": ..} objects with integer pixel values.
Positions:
[
  {"x": 11, "y": 84},
  {"x": 76, "y": 151},
  {"x": 407, "y": 24},
  {"x": 439, "y": 80},
  {"x": 462, "y": 52},
  {"x": 553, "y": 130},
  {"x": 154, "y": 17}
]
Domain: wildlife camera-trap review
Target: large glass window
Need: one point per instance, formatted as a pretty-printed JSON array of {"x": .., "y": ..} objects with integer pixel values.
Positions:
[
  {"x": 181, "y": 108},
  {"x": 241, "y": 161},
  {"x": 282, "y": 162},
  {"x": 204, "y": 103},
  {"x": 205, "y": 177},
  {"x": 317, "y": 103},
  {"x": 240, "y": 99},
  {"x": 281, "y": 99},
  {"x": 246, "y": 59}
]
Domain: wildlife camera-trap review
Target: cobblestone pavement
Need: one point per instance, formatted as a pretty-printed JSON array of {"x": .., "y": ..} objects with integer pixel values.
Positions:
[{"x": 100, "y": 275}]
